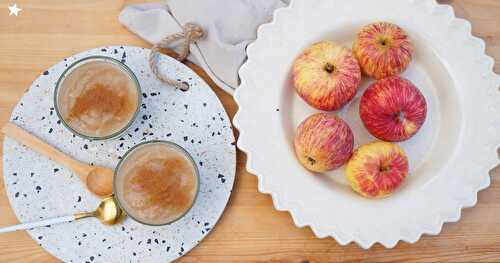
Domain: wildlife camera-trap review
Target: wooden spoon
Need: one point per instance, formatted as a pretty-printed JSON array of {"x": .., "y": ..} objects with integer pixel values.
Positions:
[{"x": 99, "y": 180}]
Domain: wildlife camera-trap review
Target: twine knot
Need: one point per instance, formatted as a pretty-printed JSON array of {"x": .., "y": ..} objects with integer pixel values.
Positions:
[{"x": 190, "y": 33}]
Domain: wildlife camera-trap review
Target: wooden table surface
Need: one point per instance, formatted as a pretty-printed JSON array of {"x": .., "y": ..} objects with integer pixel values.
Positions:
[{"x": 251, "y": 230}]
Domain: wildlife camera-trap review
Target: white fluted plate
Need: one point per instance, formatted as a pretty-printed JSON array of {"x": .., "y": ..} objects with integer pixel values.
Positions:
[{"x": 449, "y": 158}]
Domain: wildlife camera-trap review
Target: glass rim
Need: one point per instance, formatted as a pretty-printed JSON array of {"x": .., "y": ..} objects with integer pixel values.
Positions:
[
  {"x": 75, "y": 65},
  {"x": 145, "y": 143}
]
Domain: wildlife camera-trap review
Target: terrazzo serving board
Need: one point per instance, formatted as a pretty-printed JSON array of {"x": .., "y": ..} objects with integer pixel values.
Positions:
[{"x": 40, "y": 188}]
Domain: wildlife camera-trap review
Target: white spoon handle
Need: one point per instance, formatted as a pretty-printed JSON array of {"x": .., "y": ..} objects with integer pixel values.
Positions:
[{"x": 40, "y": 223}]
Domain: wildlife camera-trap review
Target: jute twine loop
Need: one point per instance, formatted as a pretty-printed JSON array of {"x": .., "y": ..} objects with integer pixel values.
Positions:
[{"x": 191, "y": 33}]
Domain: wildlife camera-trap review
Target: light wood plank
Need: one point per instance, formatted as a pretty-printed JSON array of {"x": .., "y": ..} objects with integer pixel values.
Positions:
[{"x": 251, "y": 230}]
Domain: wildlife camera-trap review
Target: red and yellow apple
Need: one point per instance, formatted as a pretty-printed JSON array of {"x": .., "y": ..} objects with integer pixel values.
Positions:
[
  {"x": 326, "y": 75},
  {"x": 323, "y": 142},
  {"x": 377, "y": 169},
  {"x": 393, "y": 109},
  {"x": 383, "y": 50}
]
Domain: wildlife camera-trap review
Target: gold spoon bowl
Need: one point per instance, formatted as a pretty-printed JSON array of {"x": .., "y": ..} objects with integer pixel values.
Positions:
[{"x": 108, "y": 212}]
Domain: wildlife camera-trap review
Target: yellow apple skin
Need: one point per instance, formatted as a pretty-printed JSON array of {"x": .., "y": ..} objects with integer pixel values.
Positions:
[
  {"x": 383, "y": 50},
  {"x": 377, "y": 169},
  {"x": 326, "y": 75}
]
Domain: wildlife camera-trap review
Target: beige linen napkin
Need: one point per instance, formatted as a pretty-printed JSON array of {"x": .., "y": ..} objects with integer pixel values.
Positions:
[{"x": 229, "y": 26}]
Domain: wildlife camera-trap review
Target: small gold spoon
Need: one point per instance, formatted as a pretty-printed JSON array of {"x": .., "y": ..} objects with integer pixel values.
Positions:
[
  {"x": 108, "y": 212},
  {"x": 99, "y": 180}
]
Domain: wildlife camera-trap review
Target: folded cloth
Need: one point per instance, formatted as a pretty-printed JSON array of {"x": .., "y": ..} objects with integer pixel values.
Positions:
[{"x": 229, "y": 26}]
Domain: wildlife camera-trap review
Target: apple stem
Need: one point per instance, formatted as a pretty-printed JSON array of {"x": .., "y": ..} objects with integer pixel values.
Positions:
[
  {"x": 400, "y": 116},
  {"x": 329, "y": 68},
  {"x": 384, "y": 169}
]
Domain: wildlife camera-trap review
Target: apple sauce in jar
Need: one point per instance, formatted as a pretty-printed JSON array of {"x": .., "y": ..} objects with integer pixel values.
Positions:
[
  {"x": 156, "y": 183},
  {"x": 97, "y": 97}
]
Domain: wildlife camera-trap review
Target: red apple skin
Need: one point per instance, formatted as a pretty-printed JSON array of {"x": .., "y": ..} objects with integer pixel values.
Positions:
[
  {"x": 377, "y": 169},
  {"x": 326, "y": 75},
  {"x": 323, "y": 142},
  {"x": 383, "y": 49},
  {"x": 393, "y": 109}
]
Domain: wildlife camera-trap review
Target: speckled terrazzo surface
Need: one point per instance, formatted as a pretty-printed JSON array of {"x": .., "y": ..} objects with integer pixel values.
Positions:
[{"x": 39, "y": 188}]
